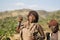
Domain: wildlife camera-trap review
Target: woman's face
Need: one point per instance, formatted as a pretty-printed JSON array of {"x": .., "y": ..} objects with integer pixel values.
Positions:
[{"x": 31, "y": 18}]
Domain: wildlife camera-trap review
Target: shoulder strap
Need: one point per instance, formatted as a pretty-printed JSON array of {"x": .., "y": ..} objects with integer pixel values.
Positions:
[{"x": 33, "y": 27}]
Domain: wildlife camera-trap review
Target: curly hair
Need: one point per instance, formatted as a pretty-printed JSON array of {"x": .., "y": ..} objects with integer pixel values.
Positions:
[{"x": 54, "y": 23}]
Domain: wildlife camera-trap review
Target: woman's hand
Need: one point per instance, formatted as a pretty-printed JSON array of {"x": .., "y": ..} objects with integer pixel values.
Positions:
[{"x": 20, "y": 18}]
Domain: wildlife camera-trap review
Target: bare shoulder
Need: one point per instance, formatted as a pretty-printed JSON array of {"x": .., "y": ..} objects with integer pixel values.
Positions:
[{"x": 25, "y": 23}]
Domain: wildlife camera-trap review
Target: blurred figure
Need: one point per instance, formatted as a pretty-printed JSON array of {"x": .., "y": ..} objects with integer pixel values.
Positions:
[
  {"x": 20, "y": 19},
  {"x": 54, "y": 26}
]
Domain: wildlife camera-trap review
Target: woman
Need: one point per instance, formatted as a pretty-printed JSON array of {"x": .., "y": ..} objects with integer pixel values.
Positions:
[{"x": 31, "y": 30}]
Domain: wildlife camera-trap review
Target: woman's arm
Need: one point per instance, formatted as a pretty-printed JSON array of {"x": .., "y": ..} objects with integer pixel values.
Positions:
[
  {"x": 18, "y": 27},
  {"x": 20, "y": 19},
  {"x": 40, "y": 29}
]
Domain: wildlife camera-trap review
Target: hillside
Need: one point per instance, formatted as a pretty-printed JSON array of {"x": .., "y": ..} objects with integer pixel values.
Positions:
[{"x": 22, "y": 12}]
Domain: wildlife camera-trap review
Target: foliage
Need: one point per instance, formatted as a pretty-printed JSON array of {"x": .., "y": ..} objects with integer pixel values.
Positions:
[{"x": 7, "y": 26}]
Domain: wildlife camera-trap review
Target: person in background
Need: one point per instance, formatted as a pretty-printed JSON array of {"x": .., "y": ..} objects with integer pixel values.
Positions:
[
  {"x": 20, "y": 19},
  {"x": 54, "y": 26}
]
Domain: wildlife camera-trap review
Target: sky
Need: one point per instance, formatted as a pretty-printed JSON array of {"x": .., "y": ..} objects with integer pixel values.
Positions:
[{"x": 47, "y": 5}]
